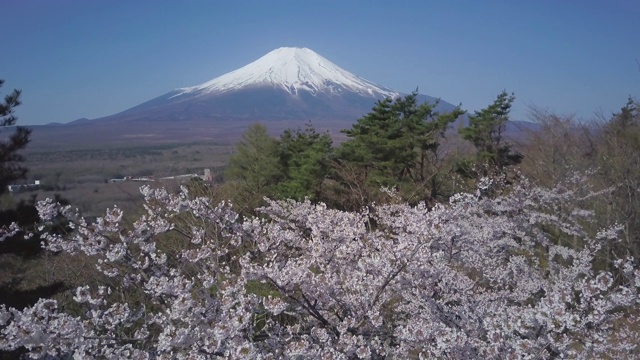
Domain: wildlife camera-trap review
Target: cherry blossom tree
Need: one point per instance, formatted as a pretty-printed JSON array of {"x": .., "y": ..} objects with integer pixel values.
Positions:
[{"x": 479, "y": 277}]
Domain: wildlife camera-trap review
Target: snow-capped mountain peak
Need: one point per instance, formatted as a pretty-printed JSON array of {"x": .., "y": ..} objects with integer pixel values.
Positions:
[{"x": 293, "y": 70}]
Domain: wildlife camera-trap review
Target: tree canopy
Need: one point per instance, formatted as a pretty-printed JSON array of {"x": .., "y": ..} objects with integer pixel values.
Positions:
[
  {"x": 10, "y": 159},
  {"x": 254, "y": 166},
  {"x": 305, "y": 159},
  {"x": 486, "y": 131},
  {"x": 477, "y": 278},
  {"x": 392, "y": 144}
]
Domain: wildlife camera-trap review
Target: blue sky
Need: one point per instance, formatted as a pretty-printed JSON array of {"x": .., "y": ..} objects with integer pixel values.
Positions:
[{"x": 89, "y": 58}]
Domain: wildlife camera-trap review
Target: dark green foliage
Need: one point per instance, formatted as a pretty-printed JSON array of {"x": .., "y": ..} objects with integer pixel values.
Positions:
[
  {"x": 294, "y": 166},
  {"x": 486, "y": 131},
  {"x": 396, "y": 144},
  {"x": 18, "y": 288},
  {"x": 625, "y": 125},
  {"x": 10, "y": 170},
  {"x": 304, "y": 157},
  {"x": 21, "y": 299},
  {"x": 20, "y": 251},
  {"x": 17, "y": 257},
  {"x": 255, "y": 167},
  {"x": 26, "y": 215},
  {"x": 16, "y": 252}
]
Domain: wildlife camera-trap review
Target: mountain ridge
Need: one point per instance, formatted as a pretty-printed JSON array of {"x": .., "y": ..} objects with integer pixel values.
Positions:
[
  {"x": 285, "y": 88},
  {"x": 286, "y": 83}
]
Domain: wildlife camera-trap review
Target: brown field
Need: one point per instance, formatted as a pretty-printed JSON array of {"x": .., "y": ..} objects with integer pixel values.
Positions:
[{"x": 81, "y": 175}]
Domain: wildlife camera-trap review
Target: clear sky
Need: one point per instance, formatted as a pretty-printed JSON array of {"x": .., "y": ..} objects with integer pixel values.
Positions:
[{"x": 89, "y": 58}]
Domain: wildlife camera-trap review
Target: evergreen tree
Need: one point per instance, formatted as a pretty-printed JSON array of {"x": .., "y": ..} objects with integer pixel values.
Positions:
[
  {"x": 486, "y": 131},
  {"x": 304, "y": 157},
  {"x": 255, "y": 167},
  {"x": 17, "y": 255},
  {"x": 393, "y": 143},
  {"x": 10, "y": 169},
  {"x": 626, "y": 122}
]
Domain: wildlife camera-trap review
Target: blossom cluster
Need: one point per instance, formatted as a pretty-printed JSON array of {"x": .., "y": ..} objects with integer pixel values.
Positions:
[
  {"x": 479, "y": 277},
  {"x": 9, "y": 231}
]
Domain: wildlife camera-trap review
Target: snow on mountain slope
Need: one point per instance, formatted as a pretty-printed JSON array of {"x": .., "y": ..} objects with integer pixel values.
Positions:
[
  {"x": 293, "y": 70},
  {"x": 287, "y": 85}
]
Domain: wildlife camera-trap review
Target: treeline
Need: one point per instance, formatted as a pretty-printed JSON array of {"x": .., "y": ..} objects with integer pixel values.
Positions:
[
  {"x": 607, "y": 153},
  {"x": 396, "y": 145},
  {"x": 399, "y": 145},
  {"x": 412, "y": 149}
]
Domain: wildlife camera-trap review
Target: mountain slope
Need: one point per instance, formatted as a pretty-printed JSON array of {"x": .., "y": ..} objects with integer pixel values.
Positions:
[
  {"x": 284, "y": 88},
  {"x": 292, "y": 70},
  {"x": 285, "y": 84}
]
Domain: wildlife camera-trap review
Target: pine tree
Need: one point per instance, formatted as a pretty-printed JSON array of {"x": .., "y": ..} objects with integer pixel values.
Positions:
[
  {"x": 255, "y": 167},
  {"x": 10, "y": 169},
  {"x": 304, "y": 157},
  {"x": 16, "y": 253},
  {"x": 486, "y": 131},
  {"x": 394, "y": 141}
]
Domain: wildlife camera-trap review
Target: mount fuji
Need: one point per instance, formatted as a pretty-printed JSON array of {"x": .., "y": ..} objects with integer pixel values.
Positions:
[
  {"x": 293, "y": 70},
  {"x": 283, "y": 89}
]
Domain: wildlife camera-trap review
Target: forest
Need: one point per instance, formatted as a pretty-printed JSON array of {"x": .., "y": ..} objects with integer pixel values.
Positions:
[{"x": 417, "y": 237}]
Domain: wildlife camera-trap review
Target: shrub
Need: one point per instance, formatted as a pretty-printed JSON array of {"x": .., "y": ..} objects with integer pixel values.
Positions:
[{"x": 476, "y": 278}]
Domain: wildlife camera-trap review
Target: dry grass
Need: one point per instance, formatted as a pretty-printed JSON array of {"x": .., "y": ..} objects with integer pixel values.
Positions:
[{"x": 81, "y": 175}]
